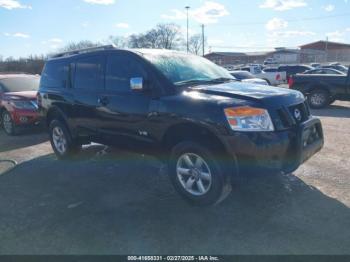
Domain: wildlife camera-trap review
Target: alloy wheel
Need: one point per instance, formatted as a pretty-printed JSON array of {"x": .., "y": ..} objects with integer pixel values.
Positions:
[
  {"x": 194, "y": 174},
  {"x": 7, "y": 123},
  {"x": 59, "y": 140}
]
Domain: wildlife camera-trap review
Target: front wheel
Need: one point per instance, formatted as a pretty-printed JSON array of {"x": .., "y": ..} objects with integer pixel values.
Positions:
[
  {"x": 8, "y": 124},
  {"x": 319, "y": 98},
  {"x": 61, "y": 140},
  {"x": 197, "y": 175}
]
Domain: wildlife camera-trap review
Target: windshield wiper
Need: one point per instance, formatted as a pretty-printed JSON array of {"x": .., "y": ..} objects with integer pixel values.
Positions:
[
  {"x": 223, "y": 80},
  {"x": 202, "y": 81},
  {"x": 192, "y": 82}
]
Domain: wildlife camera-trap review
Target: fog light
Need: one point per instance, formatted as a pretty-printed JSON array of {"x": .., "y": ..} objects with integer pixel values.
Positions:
[{"x": 23, "y": 119}]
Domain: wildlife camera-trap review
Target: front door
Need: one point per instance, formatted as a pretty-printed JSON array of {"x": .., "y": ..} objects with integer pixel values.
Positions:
[{"x": 124, "y": 113}]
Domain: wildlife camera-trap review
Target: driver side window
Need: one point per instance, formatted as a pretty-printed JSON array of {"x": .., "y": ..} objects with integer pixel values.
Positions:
[{"x": 120, "y": 69}]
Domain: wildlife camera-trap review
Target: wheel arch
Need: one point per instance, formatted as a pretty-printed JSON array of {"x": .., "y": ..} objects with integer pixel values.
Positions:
[{"x": 192, "y": 132}]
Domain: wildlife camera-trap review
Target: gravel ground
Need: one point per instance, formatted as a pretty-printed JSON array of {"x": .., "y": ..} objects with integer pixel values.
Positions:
[{"x": 112, "y": 202}]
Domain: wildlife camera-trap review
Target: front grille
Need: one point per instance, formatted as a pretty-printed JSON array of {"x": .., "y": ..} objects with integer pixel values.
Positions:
[{"x": 293, "y": 115}]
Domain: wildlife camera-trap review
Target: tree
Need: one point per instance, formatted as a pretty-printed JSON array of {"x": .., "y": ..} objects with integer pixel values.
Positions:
[
  {"x": 118, "y": 41},
  {"x": 195, "y": 44},
  {"x": 79, "y": 45},
  {"x": 167, "y": 36}
]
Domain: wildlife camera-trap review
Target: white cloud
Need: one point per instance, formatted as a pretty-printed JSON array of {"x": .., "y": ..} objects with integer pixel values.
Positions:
[
  {"x": 18, "y": 35},
  {"x": 53, "y": 43},
  {"x": 12, "y": 4},
  {"x": 329, "y": 8},
  {"x": 100, "y": 2},
  {"x": 85, "y": 24},
  {"x": 336, "y": 36},
  {"x": 276, "y": 24},
  {"x": 176, "y": 15},
  {"x": 213, "y": 41},
  {"x": 122, "y": 25},
  {"x": 55, "y": 40},
  {"x": 209, "y": 13},
  {"x": 283, "y": 5},
  {"x": 291, "y": 34}
]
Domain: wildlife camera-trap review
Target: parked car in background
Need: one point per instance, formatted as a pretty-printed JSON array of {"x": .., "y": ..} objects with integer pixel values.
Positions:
[
  {"x": 294, "y": 69},
  {"x": 315, "y": 65},
  {"x": 340, "y": 68},
  {"x": 323, "y": 71},
  {"x": 247, "y": 77},
  {"x": 203, "y": 124},
  {"x": 270, "y": 61},
  {"x": 322, "y": 89},
  {"x": 270, "y": 69},
  {"x": 272, "y": 78},
  {"x": 18, "y": 105}
]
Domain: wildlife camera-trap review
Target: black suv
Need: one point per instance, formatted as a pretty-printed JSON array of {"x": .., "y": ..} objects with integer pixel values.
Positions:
[{"x": 192, "y": 114}]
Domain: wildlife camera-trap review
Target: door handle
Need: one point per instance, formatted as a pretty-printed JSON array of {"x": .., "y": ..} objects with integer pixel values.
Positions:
[{"x": 103, "y": 101}]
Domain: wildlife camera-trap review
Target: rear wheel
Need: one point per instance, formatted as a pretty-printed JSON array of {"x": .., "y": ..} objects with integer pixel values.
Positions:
[
  {"x": 61, "y": 140},
  {"x": 8, "y": 124},
  {"x": 197, "y": 175},
  {"x": 319, "y": 98}
]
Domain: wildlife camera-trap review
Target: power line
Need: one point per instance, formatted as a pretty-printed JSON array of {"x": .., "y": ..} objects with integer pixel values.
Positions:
[{"x": 287, "y": 20}]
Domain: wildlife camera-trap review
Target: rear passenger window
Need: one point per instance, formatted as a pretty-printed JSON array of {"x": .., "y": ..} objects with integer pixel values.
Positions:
[
  {"x": 89, "y": 73},
  {"x": 120, "y": 69},
  {"x": 55, "y": 75}
]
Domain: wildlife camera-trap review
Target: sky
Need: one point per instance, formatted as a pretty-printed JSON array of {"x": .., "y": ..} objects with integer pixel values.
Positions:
[{"x": 42, "y": 26}]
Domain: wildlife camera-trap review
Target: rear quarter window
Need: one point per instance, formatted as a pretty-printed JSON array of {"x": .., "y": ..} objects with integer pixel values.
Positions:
[{"x": 55, "y": 75}]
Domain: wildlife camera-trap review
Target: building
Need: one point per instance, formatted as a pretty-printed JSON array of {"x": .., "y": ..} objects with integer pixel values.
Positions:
[
  {"x": 326, "y": 51},
  {"x": 317, "y": 52},
  {"x": 230, "y": 59}
]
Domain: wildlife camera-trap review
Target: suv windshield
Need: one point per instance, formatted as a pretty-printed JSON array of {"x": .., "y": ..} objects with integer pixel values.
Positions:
[
  {"x": 18, "y": 84},
  {"x": 182, "y": 69}
]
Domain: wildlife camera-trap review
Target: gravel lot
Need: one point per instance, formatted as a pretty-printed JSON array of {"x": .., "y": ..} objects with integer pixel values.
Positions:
[{"x": 112, "y": 202}]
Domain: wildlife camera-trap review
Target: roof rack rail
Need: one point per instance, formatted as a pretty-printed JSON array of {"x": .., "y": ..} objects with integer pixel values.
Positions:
[{"x": 83, "y": 51}]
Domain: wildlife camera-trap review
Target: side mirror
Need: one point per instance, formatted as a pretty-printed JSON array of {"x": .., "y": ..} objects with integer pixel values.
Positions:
[{"x": 136, "y": 84}]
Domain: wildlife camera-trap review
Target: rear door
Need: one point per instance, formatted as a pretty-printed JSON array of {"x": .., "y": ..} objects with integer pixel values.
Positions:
[{"x": 88, "y": 81}]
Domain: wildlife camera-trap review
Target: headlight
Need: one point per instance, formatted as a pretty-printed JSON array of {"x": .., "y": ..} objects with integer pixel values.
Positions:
[
  {"x": 26, "y": 105},
  {"x": 249, "y": 119}
]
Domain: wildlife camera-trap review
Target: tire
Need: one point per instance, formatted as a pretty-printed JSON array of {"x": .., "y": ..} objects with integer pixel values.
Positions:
[
  {"x": 61, "y": 141},
  {"x": 201, "y": 183},
  {"x": 8, "y": 125},
  {"x": 319, "y": 98}
]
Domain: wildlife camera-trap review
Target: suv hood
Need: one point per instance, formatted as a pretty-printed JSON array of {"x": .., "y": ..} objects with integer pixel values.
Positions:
[
  {"x": 268, "y": 95},
  {"x": 27, "y": 95}
]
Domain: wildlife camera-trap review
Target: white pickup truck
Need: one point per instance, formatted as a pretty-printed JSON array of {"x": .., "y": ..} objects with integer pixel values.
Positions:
[{"x": 273, "y": 78}]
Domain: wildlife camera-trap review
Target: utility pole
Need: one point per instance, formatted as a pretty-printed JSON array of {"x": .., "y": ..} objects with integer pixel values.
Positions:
[
  {"x": 326, "y": 48},
  {"x": 203, "y": 40},
  {"x": 187, "y": 9}
]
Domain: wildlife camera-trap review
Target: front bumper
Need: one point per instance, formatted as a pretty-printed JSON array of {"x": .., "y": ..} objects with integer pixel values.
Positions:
[
  {"x": 26, "y": 117},
  {"x": 281, "y": 151}
]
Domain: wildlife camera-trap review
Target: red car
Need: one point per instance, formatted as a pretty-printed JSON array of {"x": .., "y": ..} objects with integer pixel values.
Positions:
[{"x": 18, "y": 105}]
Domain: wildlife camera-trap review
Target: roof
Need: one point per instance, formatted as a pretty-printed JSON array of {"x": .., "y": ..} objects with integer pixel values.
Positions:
[
  {"x": 100, "y": 49},
  {"x": 325, "y": 42},
  {"x": 6, "y": 76}
]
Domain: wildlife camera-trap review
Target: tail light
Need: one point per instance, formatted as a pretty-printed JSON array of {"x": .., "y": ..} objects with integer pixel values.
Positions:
[
  {"x": 290, "y": 82},
  {"x": 278, "y": 77}
]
